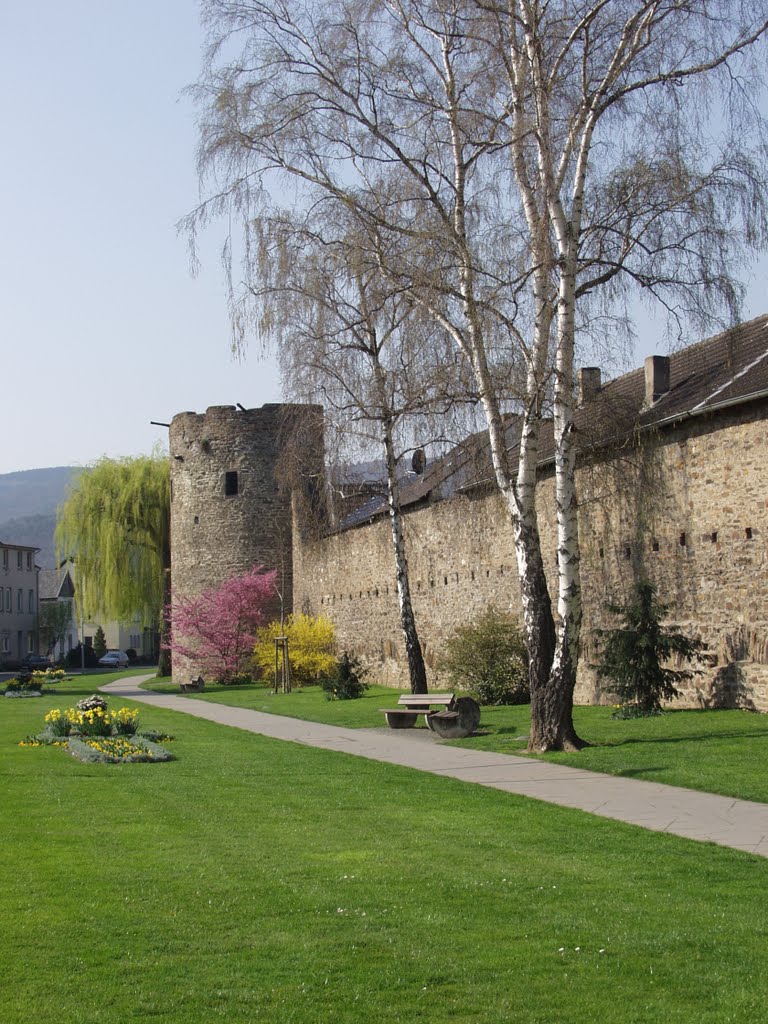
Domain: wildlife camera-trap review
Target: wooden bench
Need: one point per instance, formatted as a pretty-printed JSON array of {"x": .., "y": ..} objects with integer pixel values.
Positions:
[
  {"x": 411, "y": 705},
  {"x": 448, "y": 717},
  {"x": 193, "y": 686}
]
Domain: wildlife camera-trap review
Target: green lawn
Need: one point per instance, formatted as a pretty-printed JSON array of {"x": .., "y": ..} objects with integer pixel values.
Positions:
[
  {"x": 256, "y": 880},
  {"x": 716, "y": 751}
]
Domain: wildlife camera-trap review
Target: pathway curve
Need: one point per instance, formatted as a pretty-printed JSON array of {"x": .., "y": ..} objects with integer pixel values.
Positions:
[{"x": 740, "y": 824}]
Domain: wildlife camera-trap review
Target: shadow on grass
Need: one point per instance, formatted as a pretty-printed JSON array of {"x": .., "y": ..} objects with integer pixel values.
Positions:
[{"x": 634, "y": 772}]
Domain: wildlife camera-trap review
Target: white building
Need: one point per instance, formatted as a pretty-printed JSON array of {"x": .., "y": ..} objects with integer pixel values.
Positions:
[{"x": 19, "y": 601}]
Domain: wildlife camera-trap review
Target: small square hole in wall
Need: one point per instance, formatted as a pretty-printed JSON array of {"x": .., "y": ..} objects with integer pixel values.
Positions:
[
  {"x": 627, "y": 552},
  {"x": 601, "y": 552},
  {"x": 445, "y": 581},
  {"x": 230, "y": 483},
  {"x": 683, "y": 540},
  {"x": 196, "y": 520},
  {"x": 713, "y": 537},
  {"x": 748, "y": 533},
  {"x": 654, "y": 545}
]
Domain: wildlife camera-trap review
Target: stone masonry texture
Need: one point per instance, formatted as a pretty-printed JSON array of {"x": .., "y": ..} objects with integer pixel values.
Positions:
[
  {"x": 683, "y": 503},
  {"x": 229, "y": 509},
  {"x": 687, "y": 507}
]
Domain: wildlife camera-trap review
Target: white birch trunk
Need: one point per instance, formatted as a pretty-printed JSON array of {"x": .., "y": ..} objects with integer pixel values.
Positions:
[{"x": 417, "y": 672}]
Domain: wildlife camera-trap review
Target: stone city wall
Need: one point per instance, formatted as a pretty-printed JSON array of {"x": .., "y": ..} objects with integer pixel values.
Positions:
[{"x": 688, "y": 507}]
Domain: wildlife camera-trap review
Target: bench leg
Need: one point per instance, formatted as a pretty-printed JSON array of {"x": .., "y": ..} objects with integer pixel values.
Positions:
[{"x": 401, "y": 721}]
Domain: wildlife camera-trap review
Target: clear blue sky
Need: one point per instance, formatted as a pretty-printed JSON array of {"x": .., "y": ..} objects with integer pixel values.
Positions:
[{"x": 103, "y": 328}]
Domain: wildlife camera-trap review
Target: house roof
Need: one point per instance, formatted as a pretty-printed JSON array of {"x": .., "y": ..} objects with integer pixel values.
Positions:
[
  {"x": 728, "y": 369},
  {"x": 54, "y": 583}
]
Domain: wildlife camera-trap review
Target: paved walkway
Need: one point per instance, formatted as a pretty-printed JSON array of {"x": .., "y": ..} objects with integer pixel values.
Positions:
[{"x": 684, "y": 812}]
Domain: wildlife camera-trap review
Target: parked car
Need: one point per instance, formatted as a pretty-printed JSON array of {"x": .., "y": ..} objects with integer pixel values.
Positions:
[
  {"x": 35, "y": 661},
  {"x": 114, "y": 659}
]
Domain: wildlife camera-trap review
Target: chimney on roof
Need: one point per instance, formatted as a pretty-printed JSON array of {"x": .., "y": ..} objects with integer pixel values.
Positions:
[
  {"x": 588, "y": 383},
  {"x": 656, "y": 378}
]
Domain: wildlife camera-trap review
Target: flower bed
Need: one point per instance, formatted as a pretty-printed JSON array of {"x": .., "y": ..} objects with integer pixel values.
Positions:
[
  {"x": 33, "y": 684},
  {"x": 93, "y": 733}
]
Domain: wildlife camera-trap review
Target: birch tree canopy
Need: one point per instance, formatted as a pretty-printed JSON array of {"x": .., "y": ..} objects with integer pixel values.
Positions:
[{"x": 530, "y": 164}]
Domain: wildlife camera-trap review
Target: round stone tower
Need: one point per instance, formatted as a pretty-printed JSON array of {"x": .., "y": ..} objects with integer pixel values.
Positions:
[{"x": 230, "y": 507}]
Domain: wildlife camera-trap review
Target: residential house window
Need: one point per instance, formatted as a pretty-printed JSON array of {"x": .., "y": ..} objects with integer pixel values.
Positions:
[
  {"x": 31, "y": 601},
  {"x": 29, "y": 561},
  {"x": 20, "y": 600},
  {"x": 8, "y": 600},
  {"x": 19, "y": 559},
  {"x": 31, "y": 643},
  {"x": 5, "y": 646},
  {"x": 5, "y": 558}
]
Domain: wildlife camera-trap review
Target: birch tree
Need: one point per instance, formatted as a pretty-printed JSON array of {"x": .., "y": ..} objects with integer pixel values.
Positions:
[
  {"x": 522, "y": 159},
  {"x": 349, "y": 342},
  {"x": 395, "y": 117},
  {"x": 612, "y": 143}
]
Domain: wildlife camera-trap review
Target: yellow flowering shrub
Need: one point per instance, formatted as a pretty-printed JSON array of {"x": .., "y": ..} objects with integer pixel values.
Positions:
[{"x": 311, "y": 647}]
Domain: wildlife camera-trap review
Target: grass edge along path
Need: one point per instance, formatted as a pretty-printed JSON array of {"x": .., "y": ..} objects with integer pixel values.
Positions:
[
  {"x": 258, "y": 880},
  {"x": 723, "y": 752}
]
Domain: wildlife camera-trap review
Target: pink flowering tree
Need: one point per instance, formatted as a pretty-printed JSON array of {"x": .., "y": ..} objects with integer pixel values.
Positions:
[{"x": 216, "y": 630}]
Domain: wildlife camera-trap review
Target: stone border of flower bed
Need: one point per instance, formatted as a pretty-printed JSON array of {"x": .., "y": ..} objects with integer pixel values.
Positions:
[
  {"x": 117, "y": 750},
  {"x": 93, "y": 733}
]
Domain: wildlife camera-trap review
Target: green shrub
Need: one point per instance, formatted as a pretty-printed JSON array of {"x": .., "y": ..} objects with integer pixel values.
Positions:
[
  {"x": 488, "y": 659},
  {"x": 236, "y": 679},
  {"x": 99, "y": 643},
  {"x": 73, "y": 657},
  {"x": 347, "y": 683},
  {"x": 633, "y": 655}
]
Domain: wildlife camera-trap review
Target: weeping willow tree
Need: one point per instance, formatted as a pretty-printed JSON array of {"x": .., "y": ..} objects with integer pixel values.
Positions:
[{"x": 115, "y": 525}]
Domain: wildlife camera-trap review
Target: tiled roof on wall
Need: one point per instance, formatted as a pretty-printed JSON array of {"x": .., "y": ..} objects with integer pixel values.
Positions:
[{"x": 728, "y": 369}]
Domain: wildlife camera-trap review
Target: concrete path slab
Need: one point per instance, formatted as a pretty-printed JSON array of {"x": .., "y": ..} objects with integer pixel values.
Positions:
[{"x": 740, "y": 824}]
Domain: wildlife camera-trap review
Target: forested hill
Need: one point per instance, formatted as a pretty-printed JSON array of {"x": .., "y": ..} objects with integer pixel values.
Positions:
[{"x": 28, "y": 502}]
